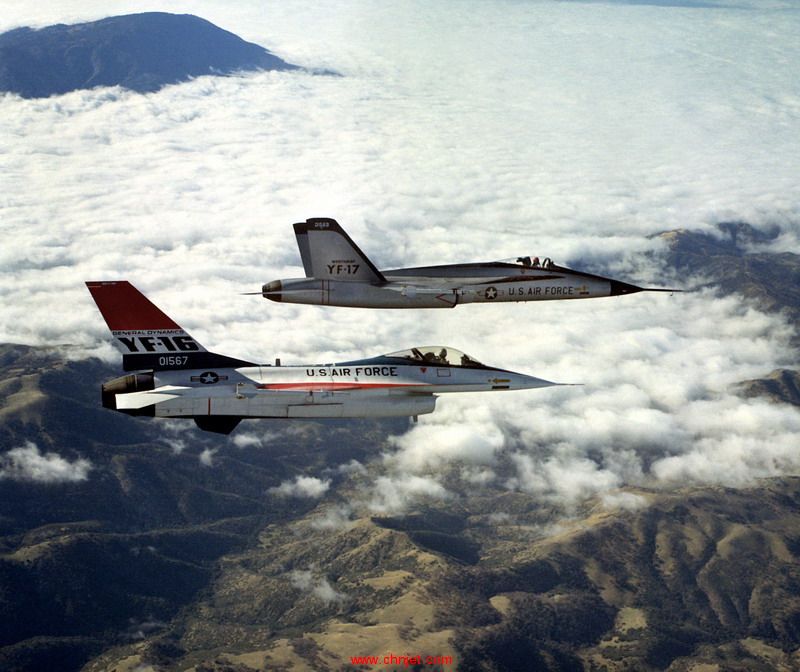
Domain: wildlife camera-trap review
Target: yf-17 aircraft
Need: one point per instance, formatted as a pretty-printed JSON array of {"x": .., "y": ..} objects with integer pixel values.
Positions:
[
  {"x": 338, "y": 273},
  {"x": 176, "y": 377}
]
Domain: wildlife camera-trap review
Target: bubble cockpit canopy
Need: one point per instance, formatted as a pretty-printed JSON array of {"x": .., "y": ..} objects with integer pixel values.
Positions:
[{"x": 438, "y": 354}]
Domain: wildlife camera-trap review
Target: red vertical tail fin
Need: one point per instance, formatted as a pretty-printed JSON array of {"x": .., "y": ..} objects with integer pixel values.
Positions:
[{"x": 148, "y": 337}]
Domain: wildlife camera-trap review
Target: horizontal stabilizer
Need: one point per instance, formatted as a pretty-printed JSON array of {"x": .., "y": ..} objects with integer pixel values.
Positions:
[{"x": 134, "y": 400}]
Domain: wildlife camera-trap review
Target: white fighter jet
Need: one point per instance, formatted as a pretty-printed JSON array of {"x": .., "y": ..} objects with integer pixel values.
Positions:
[
  {"x": 176, "y": 377},
  {"x": 338, "y": 273}
]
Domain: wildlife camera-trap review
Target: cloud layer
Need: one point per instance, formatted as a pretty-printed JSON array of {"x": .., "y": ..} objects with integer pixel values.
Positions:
[{"x": 458, "y": 132}]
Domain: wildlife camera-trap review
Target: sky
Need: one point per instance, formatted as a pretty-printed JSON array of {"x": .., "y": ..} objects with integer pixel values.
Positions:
[{"x": 459, "y": 131}]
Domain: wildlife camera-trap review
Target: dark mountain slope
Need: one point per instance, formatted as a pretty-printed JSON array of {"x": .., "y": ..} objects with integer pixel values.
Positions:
[
  {"x": 143, "y": 52},
  {"x": 88, "y": 563},
  {"x": 697, "y": 576},
  {"x": 782, "y": 385},
  {"x": 731, "y": 263}
]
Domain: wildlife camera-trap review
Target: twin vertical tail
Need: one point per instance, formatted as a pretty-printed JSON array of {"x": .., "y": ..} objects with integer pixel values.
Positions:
[
  {"x": 148, "y": 337},
  {"x": 328, "y": 253}
]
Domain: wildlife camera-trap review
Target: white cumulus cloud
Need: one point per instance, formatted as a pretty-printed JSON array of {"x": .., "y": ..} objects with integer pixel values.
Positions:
[
  {"x": 336, "y": 517},
  {"x": 395, "y": 493},
  {"x": 27, "y": 463},
  {"x": 319, "y": 586},
  {"x": 207, "y": 457},
  {"x": 302, "y": 486}
]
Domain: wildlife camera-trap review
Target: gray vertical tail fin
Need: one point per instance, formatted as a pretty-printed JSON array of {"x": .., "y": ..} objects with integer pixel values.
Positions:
[{"x": 328, "y": 253}]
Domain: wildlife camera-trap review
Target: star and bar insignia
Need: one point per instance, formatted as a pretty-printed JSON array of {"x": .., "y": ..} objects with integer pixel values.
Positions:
[{"x": 208, "y": 378}]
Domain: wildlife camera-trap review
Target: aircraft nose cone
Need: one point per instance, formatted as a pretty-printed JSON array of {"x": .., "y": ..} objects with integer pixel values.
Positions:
[
  {"x": 529, "y": 382},
  {"x": 272, "y": 290},
  {"x": 618, "y": 288},
  {"x": 521, "y": 381}
]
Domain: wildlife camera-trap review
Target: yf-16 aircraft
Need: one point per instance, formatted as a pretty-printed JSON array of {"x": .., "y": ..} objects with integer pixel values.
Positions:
[
  {"x": 338, "y": 273},
  {"x": 176, "y": 377}
]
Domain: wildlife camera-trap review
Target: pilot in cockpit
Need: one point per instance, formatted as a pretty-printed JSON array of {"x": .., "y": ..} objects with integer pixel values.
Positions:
[{"x": 529, "y": 262}]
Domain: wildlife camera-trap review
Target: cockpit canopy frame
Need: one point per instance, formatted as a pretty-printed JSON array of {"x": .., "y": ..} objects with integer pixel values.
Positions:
[{"x": 437, "y": 355}]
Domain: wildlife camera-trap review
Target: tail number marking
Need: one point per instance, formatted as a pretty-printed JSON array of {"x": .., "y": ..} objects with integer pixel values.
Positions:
[{"x": 174, "y": 360}]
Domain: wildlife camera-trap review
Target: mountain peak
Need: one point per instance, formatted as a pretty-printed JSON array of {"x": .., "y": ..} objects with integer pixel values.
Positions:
[{"x": 142, "y": 52}]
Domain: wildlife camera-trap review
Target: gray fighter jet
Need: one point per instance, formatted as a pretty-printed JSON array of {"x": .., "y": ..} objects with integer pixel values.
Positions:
[{"x": 338, "y": 273}]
